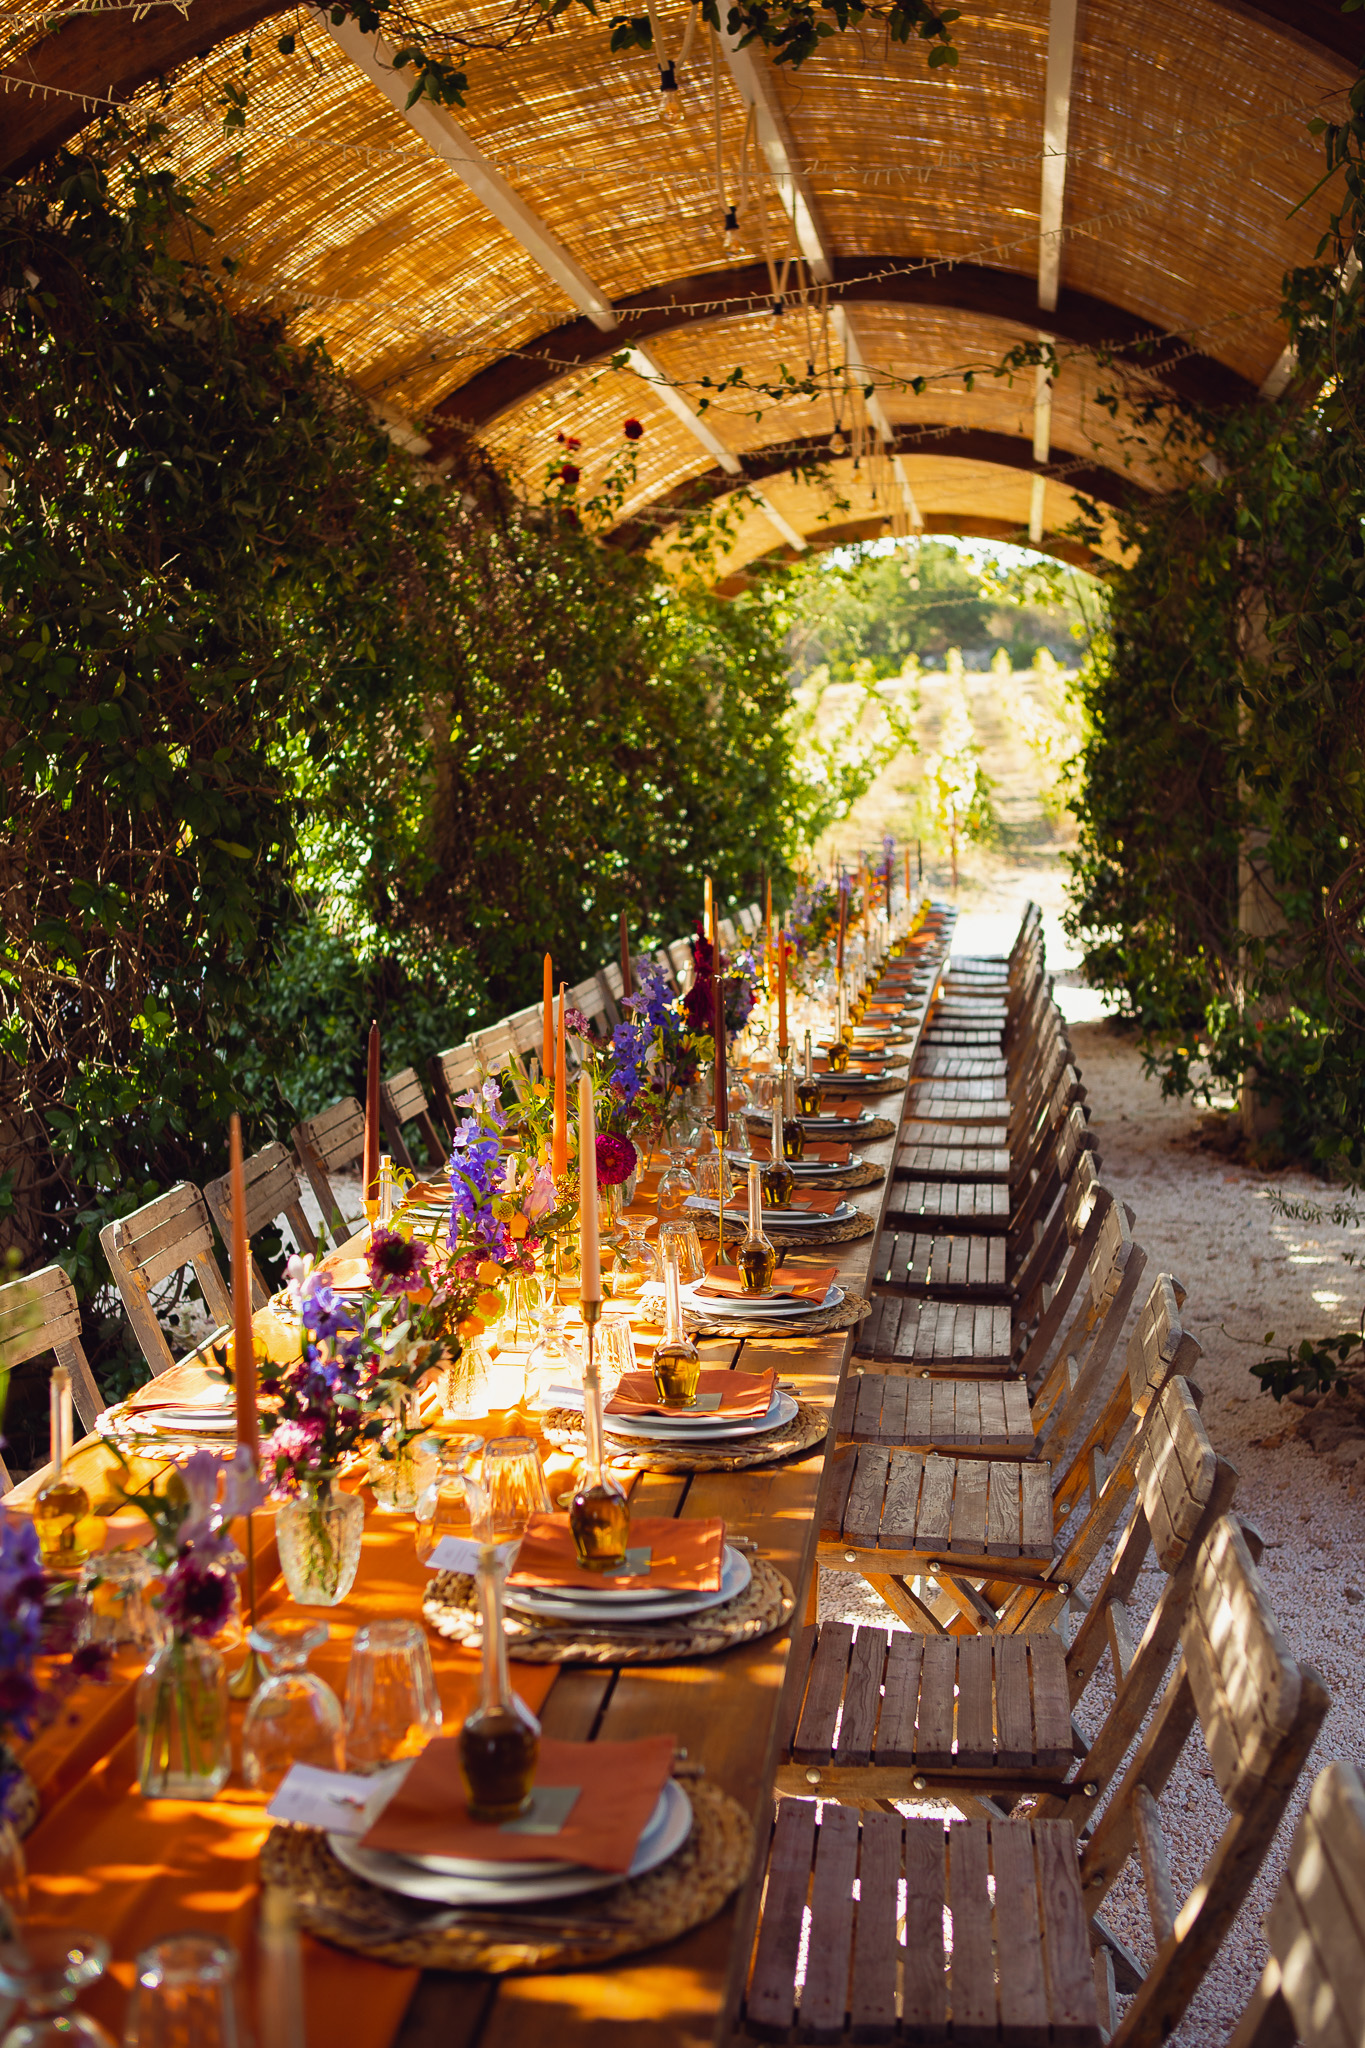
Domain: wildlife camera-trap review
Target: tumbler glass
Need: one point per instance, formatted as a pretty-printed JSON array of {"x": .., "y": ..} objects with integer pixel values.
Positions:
[
  {"x": 184, "y": 1995},
  {"x": 392, "y": 1707}
]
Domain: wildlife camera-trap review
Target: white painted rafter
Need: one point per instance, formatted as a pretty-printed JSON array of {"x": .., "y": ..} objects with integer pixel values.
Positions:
[
  {"x": 1061, "y": 57},
  {"x": 859, "y": 372},
  {"x": 798, "y": 201},
  {"x": 781, "y": 525},
  {"x": 457, "y": 148},
  {"x": 907, "y": 495},
  {"x": 644, "y": 365}
]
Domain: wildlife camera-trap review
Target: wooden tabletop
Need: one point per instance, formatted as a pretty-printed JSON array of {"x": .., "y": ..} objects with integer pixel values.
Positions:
[{"x": 727, "y": 1711}]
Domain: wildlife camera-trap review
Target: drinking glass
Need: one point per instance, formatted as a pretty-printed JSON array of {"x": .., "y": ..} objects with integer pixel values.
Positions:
[
  {"x": 554, "y": 1360},
  {"x": 440, "y": 1508},
  {"x": 675, "y": 1188},
  {"x": 512, "y": 1488},
  {"x": 185, "y": 1995},
  {"x": 613, "y": 1350},
  {"x": 634, "y": 1263},
  {"x": 295, "y": 1718},
  {"x": 392, "y": 1709},
  {"x": 48, "y": 1967},
  {"x": 117, "y": 1608},
  {"x": 691, "y": 1266}
]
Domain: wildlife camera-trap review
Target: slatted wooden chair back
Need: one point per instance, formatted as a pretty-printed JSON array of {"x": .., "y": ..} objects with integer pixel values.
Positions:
[
  {"x": 749, "y": 919},
  {"x": 272, "y": 1190},
  {"x": 680, "y": 960},
  {"x": 614, "y": 979},
  {"x": 587, "y": 996},
  {"x": 1258, "y": 1713},
  {"x": 146, "y": 1248},
  {"x": 453, "y": 1073},
  {"x": 528, "y": 1035},
  {"x": 610, "y": 1005},
  {"x": 328, "y": 1145},
  {"x": 1066, "y": 1238},
  {"x": 403, "y": 1100},
  {"x": 1313, "y": 1986},
  {"x": 665, "y": 967},
  {"x": 38, "y": 1313},
  {"x": 1080, "y": 1372}
]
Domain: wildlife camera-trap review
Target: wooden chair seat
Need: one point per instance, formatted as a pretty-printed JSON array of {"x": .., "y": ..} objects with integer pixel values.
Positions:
[
  {"x": 968, "y": 1037},
  {"x": 875, "y": 1967},
  {"x": 897, "y": 1513},
  {"x": 923, "y": 1710},
  {"x": 927, "y": 1089},
  {"x": 947, "y": 1265},
  {"x": 953, "y": 1162},
  {"x": 973, "y": 1339},
  {"x": 921, "y": 1412},
  {"x": 991, "y": 1136},
  {"x": 980, "y": 1205},
  {"x": 960, "y": 1066}
]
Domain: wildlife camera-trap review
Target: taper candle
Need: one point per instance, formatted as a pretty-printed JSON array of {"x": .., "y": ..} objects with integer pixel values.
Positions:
[
  {"x": 58, "y": 1418},
  {"x": 370, "y": 1164},
  {"x": 547, "y": 1024},
  {"x": 590, "y": 1262},
  {"x": 627, "y": 978},
  {"x": 243, "y": 1346},
  {"x": 843, "y": 925},
  {"x": 708, "y": 907},
  {"x": 559, "y": 1152},
  {"x": 782, "y": 992},
  {"x": 720, "y": 1111}
]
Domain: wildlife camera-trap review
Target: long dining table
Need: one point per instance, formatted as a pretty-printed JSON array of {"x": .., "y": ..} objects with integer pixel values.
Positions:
[{"x": 137, "y": 1870}]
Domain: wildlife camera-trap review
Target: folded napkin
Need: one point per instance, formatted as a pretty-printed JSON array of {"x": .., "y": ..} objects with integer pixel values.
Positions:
[
  {"x": 828, "y": 1155},
  {"x": 872, "y": 1068},
  {"x": 804, "y": 1283},
  {"x": 429, "y": 1191},
  {"x": 811, "y": 1201},
  {"x": 684, "y": 1556},
  {"x": 741, "y": 1393},
  {"x": 618, "y": 1789},
  {"x": 192, "y": 1385},
  {"x": 842, "y": 1106},
  {"x": 349, "y": 1276}
]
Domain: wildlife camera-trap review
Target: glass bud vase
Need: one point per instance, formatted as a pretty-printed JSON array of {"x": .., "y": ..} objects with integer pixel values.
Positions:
[
  {"x": 319, "y": 1543},
  {"x": 184, "y": 1748}
]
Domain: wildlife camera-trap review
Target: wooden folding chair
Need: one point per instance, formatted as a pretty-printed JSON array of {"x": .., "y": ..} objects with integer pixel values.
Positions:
[
  {"x": 928, "y": 1402},
  {"x": 680, "y": 964},
  {"x": 39, "y": 1312},
  {"x": 981, "y": 1527},
  {"x": 589, "y": 997},
  {"x": 614, "y": 989},
  {"x": 851, "y": 1941},
  {"x": 878, "y": 1716},
  {"x": 453, "y": 1073},
  {"x": 272, "y": 1190},
  {"x": 528, "y": 1036},
  {"x": 1312, "y": 1989},
  {"x": 327, "y": 1144},
  {"x": 146, "y": 1248},
  {"x": 403, "y": 1100}
]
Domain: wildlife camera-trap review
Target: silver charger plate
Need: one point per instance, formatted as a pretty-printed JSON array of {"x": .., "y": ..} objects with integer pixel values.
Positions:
[
  {"x": 627, "y": 1428},
  {"x": 746, "y": 1308},
  {"x": 411, "y": 1880},
  {"x": 564, "y": 1604}
]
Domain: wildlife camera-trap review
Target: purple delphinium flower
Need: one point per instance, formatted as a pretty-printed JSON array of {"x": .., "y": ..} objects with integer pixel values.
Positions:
[{"x": 324, "y": 1312}]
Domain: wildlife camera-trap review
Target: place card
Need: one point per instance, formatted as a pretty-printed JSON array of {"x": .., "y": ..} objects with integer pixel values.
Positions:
[
  {"x": 460, "y": 1554},
  {"x": 315, "y": 1798}
]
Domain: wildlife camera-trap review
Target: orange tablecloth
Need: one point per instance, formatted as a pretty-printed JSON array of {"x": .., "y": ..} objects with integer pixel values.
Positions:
[{"x": 104, "y": 1858}]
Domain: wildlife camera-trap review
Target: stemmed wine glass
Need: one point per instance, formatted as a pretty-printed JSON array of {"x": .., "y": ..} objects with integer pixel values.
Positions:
[{"x": 48, "y": 1968}]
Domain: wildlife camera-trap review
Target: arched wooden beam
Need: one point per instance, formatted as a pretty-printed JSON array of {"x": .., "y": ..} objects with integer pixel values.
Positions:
[
  {"x": 971, "y": 444},
  {"x": 103, "y": 56},
  {"x": 967, "y": 525},
  {"x": 973, "y": 288}
]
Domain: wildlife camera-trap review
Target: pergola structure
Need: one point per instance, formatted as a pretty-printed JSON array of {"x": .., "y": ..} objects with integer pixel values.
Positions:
[{"x": 1119, "y": 180}]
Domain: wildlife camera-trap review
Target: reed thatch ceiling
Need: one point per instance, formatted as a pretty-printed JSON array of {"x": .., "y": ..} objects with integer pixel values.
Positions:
[{"x": 489, "y": 271}]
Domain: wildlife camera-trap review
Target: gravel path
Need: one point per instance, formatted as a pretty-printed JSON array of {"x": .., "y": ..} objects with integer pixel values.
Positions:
[{"x": 1247, "y": 1270}]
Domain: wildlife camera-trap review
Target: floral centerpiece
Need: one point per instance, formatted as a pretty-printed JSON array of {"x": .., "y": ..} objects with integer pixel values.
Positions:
[
  {"x": 30, "y": 1698},
  {"x": 183, "y": 1745}
]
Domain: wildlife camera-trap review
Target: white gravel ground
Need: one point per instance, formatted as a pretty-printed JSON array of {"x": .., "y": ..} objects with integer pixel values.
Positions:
[{"x": 1247, "y": 1271}]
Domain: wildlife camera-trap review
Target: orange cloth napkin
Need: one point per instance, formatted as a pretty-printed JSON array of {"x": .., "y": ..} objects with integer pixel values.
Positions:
[
  {"x": 828, "y": 1155},
  {"x": 741, "y": 1393},
  {"x": 619, "y": 1785},
  {"x": 685, "y": 1557},
  {"x": 810, "y": 1283},
  {"x": 814, "y": 1202},
  {"x": 842, "y": 1106},
  {"x": 857, "y": 1066}
]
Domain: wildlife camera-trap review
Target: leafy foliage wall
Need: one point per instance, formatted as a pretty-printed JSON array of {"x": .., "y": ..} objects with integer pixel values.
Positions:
[
  {"x": 294, "y": 733},
  {"x": 1222, "y": 805}
]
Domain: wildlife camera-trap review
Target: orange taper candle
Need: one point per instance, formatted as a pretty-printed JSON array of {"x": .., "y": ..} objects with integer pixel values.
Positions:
[
  {"x": 370, "y": 1164},
  {"x": 547, "y": 1013},
  {"x": 590, "y": 1257},
  {"x": 243, "y": 1346},
  {"x": 782, "y": 992},
  {"x": 559, "y": 1154}
]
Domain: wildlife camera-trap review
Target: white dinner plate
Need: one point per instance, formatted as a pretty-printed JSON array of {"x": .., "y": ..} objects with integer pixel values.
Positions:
[
  {"x": 743, "y": 1308},
  {"x": 565, "y": 1604},
  {"x": 408, "y": 1876},
  {"x": 483, "y": 1868},
  {"x": 625, "y": 1428},
  {"x": 781, "y": 1219}
]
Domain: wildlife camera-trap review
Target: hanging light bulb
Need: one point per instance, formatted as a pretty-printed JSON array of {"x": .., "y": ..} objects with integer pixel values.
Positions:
[
  {"x": 732, "y": 220},
  {"x": 837, "y": 444},
  {"x": 670, "y": 99}
]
